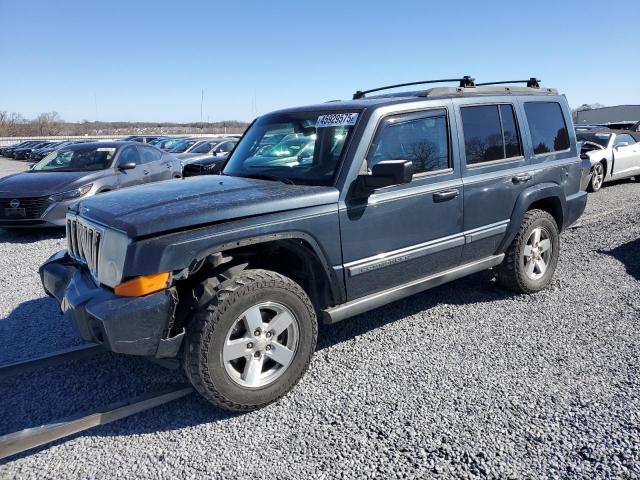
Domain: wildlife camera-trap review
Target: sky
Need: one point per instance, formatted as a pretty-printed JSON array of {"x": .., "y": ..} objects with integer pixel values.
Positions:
[{"x": 151, "y": 60}]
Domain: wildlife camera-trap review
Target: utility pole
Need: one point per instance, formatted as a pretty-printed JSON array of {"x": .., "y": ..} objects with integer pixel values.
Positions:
[{"x": 201, "y": 103}]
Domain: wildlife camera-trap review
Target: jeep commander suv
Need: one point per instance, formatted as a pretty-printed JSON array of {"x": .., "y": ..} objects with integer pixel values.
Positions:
[{"x": 324, "y": 211}]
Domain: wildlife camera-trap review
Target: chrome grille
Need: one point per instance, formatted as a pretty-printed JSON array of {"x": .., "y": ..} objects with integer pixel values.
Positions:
[{"x": 83, "y": 242}]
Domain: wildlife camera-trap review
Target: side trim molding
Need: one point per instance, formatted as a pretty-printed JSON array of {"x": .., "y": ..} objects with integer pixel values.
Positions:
[
  {"x": 387, "y": 259},
  {"x": 399, "y": 256},
  {"x": 378, "y": 299}
]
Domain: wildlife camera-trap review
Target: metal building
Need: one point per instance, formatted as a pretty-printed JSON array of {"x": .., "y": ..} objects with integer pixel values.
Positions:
[{"x": 619, "y": 113}]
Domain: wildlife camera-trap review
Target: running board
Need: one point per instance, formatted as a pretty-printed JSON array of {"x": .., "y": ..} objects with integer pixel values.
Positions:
[{"x": 378, "y": 299}]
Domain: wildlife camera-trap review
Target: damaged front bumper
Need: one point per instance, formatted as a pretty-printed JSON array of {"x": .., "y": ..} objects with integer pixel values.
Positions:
[{"x": 129, "y": 325}]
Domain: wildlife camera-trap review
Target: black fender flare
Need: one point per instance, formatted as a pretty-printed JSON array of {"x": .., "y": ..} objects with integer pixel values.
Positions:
[
  {"x": 336, "y": 283},
  {"x": 526, "y": 198}
]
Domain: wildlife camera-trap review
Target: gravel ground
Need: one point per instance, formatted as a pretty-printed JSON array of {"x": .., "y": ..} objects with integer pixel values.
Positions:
[
  {"x": 8, "y": 166},
  {"x": 465, "y": 380}
]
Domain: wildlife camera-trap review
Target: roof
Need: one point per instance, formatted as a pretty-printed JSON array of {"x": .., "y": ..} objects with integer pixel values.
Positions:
[
  {"x": 432, "y": 93},
  {"x": 113, "y": 144}
]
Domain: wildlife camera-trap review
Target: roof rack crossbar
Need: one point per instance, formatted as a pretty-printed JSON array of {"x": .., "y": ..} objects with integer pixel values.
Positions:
[
  {"x": 465, "y": 81},
  {"x": 531, "y": 83}
]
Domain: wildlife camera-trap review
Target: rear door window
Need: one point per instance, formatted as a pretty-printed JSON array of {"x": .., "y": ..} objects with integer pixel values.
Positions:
[
  {"x": 490, "y": 133},
  {"x": 547, "y": 126}
]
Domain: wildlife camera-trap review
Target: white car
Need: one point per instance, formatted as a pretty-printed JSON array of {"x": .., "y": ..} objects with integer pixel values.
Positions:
[{"x": 614, "y": 154}]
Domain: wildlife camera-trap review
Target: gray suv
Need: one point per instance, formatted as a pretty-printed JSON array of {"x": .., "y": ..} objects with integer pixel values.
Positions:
[
  {"x": 378, "y": 198},
  {"x": 41, "y": 196}
]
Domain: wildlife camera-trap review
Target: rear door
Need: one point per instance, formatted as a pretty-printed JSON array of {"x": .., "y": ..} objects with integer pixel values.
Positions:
[
  {"x": 406, "y": 232},
  {"x": 626, "y": 156},
  {"x": 495, "y": 172}
]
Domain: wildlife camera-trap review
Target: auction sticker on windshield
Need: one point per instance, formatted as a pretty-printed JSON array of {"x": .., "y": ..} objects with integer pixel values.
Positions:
[{"x": 337, "y": 120}]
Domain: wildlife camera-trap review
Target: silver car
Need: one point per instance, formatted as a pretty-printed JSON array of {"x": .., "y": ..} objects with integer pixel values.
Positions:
[
  {"x": 41, "y": 196},
  {"x": 207, "y": 148},
  {"x": 614, "y": 154}
]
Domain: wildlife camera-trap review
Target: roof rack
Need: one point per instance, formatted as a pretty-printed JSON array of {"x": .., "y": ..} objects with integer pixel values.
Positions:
[
  {"x": 531, "y": 83},
  {"x": 465, "y": 81}
]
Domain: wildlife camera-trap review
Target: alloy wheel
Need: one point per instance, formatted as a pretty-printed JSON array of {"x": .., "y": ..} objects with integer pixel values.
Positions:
[
  {"x": 537, "y": 253},
  {"x": 260, "y": 345}
]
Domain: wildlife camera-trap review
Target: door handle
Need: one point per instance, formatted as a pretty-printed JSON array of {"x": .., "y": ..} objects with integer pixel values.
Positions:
[
  {"x": 521, "y": 178},
  {"x": 446, "y": 195}
]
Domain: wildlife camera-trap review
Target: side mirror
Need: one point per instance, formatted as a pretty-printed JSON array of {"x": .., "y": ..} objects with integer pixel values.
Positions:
[
  {"x": 127, "y": 166},
  {"x": 385, "y": 174},
  {"x": 621, "y": 144}
]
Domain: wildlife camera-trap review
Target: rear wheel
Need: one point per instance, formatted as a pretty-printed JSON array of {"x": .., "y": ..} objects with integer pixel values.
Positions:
[
  {"x": 252, "y": 342},
  {"x": 597, "y": 177},
  {"x": 532, "y": 257}
]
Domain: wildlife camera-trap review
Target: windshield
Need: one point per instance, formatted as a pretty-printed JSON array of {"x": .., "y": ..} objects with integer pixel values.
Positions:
[
  {"x": 300, "y": 147},
  {"x": 182, "y": 145},
  {"x": 601, "y": 139},
  {"x": 80, "y": 160},
  {"x": 204, "y": 147}
]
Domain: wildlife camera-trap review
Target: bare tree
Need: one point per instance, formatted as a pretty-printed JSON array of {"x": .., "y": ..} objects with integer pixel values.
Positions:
[{"x": 48, "y": 124}]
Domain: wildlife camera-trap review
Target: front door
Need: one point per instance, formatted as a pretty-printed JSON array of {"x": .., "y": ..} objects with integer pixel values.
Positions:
[
  {"x": 156, "y": 163},
  {"x": 134, "y": 176},
  {"x": 405, "y": 232},
  {"x": 626, "y": 156}
]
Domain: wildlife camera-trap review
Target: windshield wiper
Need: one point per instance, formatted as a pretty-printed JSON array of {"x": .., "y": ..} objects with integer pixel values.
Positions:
[{"x": 267, "y": 176}]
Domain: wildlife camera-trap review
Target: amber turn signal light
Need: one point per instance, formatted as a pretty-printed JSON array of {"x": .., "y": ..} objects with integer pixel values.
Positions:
[{"x": 143, "y": 285}]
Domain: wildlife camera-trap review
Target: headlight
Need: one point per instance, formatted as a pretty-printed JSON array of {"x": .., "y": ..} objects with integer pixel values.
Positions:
[
  {"x": 76, "y": 193},
  {"x": 104, "y": 258},
  {"x": 113, "y": 250}
]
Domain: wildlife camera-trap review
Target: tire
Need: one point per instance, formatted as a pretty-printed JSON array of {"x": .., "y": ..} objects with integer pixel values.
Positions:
[
  {"x": 516, "y": 272},
  {"x": 597, "y": 178},
  {"x": 219, "y": 331}
]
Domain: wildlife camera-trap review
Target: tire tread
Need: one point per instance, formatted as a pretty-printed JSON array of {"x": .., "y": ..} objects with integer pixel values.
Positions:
[{"x": 204, "y": 323}]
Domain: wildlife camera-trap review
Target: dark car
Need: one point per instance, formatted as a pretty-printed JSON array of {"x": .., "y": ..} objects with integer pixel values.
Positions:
[
  {"x": 166, "y": 144},
  {"x": 141, "y": 138},
  {"x": 25, "y": 152},
  {"x": 41, "y": 196},
  {"x": 207, "y": 148},
  {"x": 183, "y": 145},
  {"x": 394, "y": 195},
  {"x": 40, "y": 153},
  {"x": 9, "y": 152},
  {"x": 210, "y": 165}
]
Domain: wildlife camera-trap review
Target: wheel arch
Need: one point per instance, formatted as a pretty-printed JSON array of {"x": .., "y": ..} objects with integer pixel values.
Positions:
[
  {"x": 546, "y": 196},
  {"x": 294, "y": 254}
]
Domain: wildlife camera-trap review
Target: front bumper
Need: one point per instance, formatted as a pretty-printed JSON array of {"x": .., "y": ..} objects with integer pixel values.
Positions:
[
  {"x": 53, "y": 216},
  {"x": 128, "y": 325},
  {"x": 586, "y": 172}
]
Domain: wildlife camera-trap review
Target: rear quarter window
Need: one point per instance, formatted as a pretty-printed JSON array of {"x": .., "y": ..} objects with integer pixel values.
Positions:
[{"x": 547, "y": 126}]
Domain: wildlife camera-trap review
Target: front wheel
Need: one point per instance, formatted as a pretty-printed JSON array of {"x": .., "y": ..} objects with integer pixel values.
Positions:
[
  {"x": 597, "y": 178},
  {"x": 532, "y": 257},
  {"x": 252, "y": 342}
]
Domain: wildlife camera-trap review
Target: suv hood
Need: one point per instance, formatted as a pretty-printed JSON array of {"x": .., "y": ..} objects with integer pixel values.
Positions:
[
  {"x": 43, "y": 184},
  {"x": 196, "y": 201}
]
